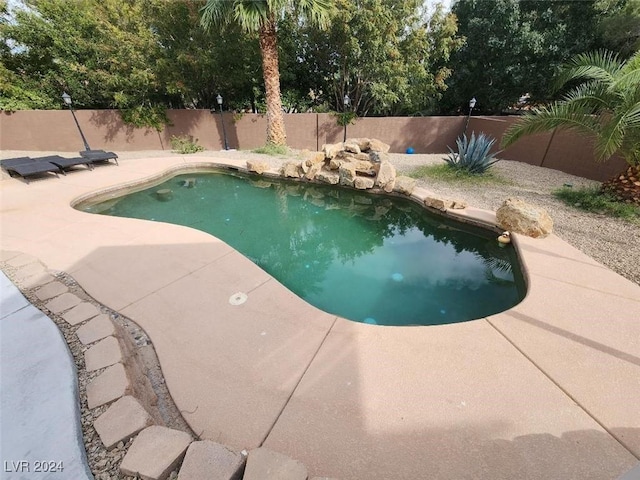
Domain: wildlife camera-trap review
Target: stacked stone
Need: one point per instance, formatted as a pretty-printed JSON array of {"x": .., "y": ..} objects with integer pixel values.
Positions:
[{"x": 361, "y": 163}]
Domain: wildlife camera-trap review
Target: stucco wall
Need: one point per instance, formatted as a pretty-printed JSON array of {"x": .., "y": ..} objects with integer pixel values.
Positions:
[{"x": 56, "y": 130}]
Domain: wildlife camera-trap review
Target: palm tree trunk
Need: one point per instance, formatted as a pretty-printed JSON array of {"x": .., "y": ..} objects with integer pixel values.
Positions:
[
  {"x": 625, "y": 186},
  {"x": 276, "y": 134}
]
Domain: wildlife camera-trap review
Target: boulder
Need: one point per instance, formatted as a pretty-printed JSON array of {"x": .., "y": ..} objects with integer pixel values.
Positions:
[
  {"x": 443, "y": 203},
  {"x": 378, "y": 157},
  {"x": 437, "y": 203},
  {"x": 258, "y": 166},
  {"x": 347, "y": 173},
  {"x": 352, "y": 147},
  {"x": 330, "y": 150},
  {"x": 376, "y": 145},
  {"x": 386, "y": 177},
  {"x": 328, "y": 176},
  {"x": 516, "y": 215},
  {"x": 363, "y": 157},
  {"x": 363, "y": 183},
  {"x": 336, "y": 163},
  {"x": 345, "y": 155},
  {"x": 363, "y": 143},
  {"x": 292, "y": 169},
  {"x": 404, "y": 185},
  {"x": 312, "y": 159},
  {"x": 363, "y": 166},
  {"x": 313, "y": 171}
]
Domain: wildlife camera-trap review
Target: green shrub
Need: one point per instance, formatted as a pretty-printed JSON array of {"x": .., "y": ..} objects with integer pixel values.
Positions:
[
  {"x": 445, "y": 173},
  {"x": 473, "y": 155},
  {"x": 593, "y": 200},
  {"x": 273, "y": 150},
  {"x": 185, "y": 144}
]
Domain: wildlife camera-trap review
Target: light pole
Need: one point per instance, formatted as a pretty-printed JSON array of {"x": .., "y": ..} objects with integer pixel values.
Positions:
[
  {"x": 346, "y": 101},
  {"x": 67, "y": 99},
  {"x": 224, "y": 132},
  {"x": 472, "y": 103}
]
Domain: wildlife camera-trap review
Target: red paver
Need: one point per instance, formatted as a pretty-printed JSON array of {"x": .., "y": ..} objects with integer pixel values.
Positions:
[
  {"x": 95, "y": 329},
  {"x": 82, "y": 312},
  {"x": 207, "y": 460},
  {"x": 155, "y": 452},
  {"x": 110, "y": 385},
  {"x": 103, "y": 354},
  {"x": 121, "y": 421}
]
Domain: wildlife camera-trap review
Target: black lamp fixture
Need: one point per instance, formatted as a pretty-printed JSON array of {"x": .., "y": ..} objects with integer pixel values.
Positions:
[
  {"x": 472, "y": 103},
  {"x": 67, "y": 100},
  {"x": 346, "y": 102},
  {"x": 224, "y": 132}
]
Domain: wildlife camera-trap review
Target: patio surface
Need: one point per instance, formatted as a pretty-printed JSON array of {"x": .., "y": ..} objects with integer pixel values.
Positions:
[{"x": 548, "y": 389}]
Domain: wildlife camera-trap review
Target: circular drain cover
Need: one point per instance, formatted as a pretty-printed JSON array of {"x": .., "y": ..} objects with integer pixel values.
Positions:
[{"x": 238, "y": 298}]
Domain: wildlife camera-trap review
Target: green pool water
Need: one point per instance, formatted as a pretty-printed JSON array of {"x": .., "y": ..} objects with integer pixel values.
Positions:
[{"x": 367, "y": 258}]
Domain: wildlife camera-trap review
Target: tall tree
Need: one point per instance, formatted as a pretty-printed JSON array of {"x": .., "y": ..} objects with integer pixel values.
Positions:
[
  {"x": 514, "y": 46},
  {"x": 605, "y": 105},
  {"x": 102, "y": 52},
  {"x": 620, "y": 26},
  {"x": 389, "y": 56},
  {"x": 195, "y": 65},
  {"x": 261, "y": 16}
]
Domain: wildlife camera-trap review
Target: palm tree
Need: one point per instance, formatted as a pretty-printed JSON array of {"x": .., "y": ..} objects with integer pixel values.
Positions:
[
  {"x": 604, "y": 105},
  {"x": 261, "y": 16}
]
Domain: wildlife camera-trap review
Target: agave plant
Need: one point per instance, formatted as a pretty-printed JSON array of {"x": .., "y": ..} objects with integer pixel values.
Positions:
[{"x": 473, "y": 154}]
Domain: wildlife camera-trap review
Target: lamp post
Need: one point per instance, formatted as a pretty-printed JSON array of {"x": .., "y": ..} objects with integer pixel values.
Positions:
[
  {"x": 472, "y": 103},
  {"x": 346, "y": 101},
  {"x": 67, "y": 99},
  {"x": 224, "y": 132}
]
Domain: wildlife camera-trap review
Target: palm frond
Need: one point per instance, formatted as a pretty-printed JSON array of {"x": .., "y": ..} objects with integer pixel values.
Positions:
[
  {"x": 216, "y": 12},
  {"x": 591, "y": 97},
  {"x": 624, "y": 135},
  {"x": 317, "y": 11},
  {"x": 601, "y": 66},
  {"x": 629, "y": 76},
  {"x": 252, "y": 14},
  {"x": 559, "y": 115}
]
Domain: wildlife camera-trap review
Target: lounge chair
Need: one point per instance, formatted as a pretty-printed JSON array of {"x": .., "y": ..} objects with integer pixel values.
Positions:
[
  {"x": 10, "y": 162},
  {"x": 63, "y": 162},
  {"x": 26, "y": 167},
  {"x": 99, "y": 156}
]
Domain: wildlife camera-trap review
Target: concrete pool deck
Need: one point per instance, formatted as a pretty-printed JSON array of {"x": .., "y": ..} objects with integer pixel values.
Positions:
[{"x": 548, "y": 389}]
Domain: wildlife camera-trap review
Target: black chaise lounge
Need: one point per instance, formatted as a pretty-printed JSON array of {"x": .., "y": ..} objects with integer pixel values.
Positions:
[
  {"x": 26, "y": 167},
  {"x": 63, "y": 162},
  {"x": 96, "y": 156}
]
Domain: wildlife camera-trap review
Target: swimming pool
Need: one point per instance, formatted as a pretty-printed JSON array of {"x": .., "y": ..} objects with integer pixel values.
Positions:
[{"x": 368, "y": 258}]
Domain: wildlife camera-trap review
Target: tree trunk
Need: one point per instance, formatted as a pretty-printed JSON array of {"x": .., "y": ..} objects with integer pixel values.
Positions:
[
  {"x": 276, "y": 134},
  {"x": 625, "y": 186}
]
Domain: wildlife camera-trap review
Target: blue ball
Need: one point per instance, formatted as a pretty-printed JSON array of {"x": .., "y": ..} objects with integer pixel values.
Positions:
[{"x": 410, "y": 150}]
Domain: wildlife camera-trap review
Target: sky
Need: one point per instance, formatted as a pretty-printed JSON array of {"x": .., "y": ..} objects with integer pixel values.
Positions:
[{"x": 446, "y": 3}]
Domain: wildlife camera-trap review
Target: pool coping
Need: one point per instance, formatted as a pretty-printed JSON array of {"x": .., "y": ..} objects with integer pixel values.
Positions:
[{"x": 545, "y": 337}]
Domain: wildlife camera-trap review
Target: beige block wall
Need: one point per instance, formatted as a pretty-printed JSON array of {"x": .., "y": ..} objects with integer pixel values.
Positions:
[{"x": 47, "y": 130}]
